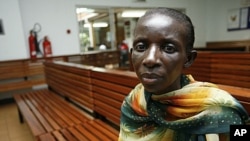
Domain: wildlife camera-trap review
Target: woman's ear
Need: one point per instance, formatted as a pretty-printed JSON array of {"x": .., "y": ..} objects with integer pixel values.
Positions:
[{"x": 190, "y": 58}]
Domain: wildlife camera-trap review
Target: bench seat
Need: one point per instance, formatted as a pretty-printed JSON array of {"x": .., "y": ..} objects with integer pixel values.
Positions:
[
  {"x": 50, "y": 117},
  {"x": 45, "y": 111},
  {"x": 94, "y": 130}
]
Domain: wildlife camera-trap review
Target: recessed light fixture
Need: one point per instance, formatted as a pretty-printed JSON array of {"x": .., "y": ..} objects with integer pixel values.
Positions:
[
  {"x": 84, "y": 10},
  {"x": 133, "y": 13},
  {"x": 99, "y": 24}
]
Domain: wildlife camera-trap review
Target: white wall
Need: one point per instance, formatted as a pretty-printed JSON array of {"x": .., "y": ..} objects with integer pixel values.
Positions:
[
  {"x": 12, "y": 43},
  {"x": 56, "y": 16},
  {"x": 217, "y": 11}
]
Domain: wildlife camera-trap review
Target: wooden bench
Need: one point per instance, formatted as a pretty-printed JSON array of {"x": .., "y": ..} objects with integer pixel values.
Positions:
[
  {"x": 94, "y": 130},
  {"x": 23, "y": 74},
  {"x": 52, "y": 118},
  {"x": 109, "y": 90},
  {"x": 57, "y": 113},
  {"x": 240, "y": 45},
  {"x": 72, "y": 81},
  {"x": 231, "y": 69},
  {"x": 43, "y": 111},
  {"x": 201, "y": 67}
]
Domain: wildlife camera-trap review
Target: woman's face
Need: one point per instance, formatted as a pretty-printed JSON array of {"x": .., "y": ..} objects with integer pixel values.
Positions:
[{"x": 159, "y": 53}]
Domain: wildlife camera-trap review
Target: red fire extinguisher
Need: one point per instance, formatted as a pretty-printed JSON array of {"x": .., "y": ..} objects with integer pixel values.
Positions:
[
  {"x": 47, "y": 51},
  {"x": 32, "y": 45}
]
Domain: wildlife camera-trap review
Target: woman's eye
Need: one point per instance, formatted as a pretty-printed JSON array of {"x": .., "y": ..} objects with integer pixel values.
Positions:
[
  {"x": 140, "y": 47},
  {"x": 169, "y": 48}
]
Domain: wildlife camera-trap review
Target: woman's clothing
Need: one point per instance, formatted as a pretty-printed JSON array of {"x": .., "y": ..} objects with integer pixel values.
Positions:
[{"x": 187, "y": 114}]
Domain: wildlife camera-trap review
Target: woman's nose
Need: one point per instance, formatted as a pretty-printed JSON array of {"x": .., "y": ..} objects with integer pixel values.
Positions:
[{"x": 152, "y": 57}]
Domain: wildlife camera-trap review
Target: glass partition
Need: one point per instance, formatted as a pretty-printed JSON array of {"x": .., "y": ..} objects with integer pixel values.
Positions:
[{"x": 102, "y": 28}]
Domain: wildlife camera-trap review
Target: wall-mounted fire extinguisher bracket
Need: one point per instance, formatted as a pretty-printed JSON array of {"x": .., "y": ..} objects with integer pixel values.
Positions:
[{"x": 33, "y": 41}]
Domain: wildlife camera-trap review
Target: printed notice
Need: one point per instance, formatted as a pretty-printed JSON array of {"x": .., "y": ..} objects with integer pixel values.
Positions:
[
  {"x": 244, "y": 18},
  {"x": 233, "y": 19}
]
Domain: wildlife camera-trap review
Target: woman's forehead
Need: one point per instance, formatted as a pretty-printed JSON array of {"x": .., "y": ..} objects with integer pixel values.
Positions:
[{"x": 158, "y": 20}]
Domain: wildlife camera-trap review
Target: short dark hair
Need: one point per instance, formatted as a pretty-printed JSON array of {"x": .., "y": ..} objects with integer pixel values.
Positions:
[{"x": 179, "y": 16}]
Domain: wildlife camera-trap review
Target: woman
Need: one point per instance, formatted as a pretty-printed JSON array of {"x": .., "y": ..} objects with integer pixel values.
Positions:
[{"x": 167, "y": 105}]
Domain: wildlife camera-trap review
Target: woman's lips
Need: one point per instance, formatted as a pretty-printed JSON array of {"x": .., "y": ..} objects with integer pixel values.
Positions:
[{"x": 150, "y": 78}]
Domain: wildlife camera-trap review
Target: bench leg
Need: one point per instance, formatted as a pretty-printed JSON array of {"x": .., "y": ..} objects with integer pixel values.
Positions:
[{"x": 20, "y": 116}]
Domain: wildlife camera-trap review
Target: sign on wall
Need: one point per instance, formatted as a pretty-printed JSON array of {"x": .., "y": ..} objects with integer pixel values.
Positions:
[{"x": 238, "y": 19}]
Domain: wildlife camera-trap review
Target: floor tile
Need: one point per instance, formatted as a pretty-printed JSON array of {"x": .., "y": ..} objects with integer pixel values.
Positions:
[{"x": 10, "y": 127}]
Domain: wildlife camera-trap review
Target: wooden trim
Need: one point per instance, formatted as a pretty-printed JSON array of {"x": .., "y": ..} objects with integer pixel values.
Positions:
[{"x": 244, "y": 44}]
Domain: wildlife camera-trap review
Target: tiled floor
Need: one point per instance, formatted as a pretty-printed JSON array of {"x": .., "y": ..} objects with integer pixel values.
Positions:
[{"x": 10, "y": 127}]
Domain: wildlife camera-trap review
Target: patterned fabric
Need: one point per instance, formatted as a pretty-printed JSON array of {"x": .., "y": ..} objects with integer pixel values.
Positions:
[{"x": 187, "y": 114}]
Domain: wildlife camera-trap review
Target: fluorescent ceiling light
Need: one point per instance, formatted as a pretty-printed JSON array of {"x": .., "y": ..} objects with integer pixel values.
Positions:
[
  {"x": 85, "y": 10},
  {"x": 101, "y": 24},
  {"x": 85, "y": 16},
  {"x": 85, "y": 13},
  {"x": 133, "y": 13}
]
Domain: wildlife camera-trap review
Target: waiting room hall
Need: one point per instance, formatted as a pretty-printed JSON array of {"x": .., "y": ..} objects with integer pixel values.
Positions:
[{"x": 100, "y": 70}]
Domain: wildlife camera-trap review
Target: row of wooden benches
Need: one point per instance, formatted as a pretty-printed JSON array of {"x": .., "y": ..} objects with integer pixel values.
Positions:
[
  {"x": 83, "y": 102},
  {"x": 219, "y": 67},
  {"x": 26, "y": 73},
  {"x": 22, "y": 74}
]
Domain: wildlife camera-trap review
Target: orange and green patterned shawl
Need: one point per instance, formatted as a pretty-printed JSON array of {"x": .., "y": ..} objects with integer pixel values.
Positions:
[{"x": 187, "y": 114}]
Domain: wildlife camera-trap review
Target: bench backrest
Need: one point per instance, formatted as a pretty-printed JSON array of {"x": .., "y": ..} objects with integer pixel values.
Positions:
[
  {"x": 231, "y": 69},
  {"x": 201, "y": 68},
  {"x": 109, "y": 90},
  {"x": 72, "y": 81},
  {"x": 12, "y": 69},
  {"x": 15, "y": 75},
  {"x": 222, "y": 68}
]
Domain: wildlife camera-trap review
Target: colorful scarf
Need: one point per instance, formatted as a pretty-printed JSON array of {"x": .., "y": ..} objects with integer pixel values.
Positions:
[{"x": 187, "y": 114}]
